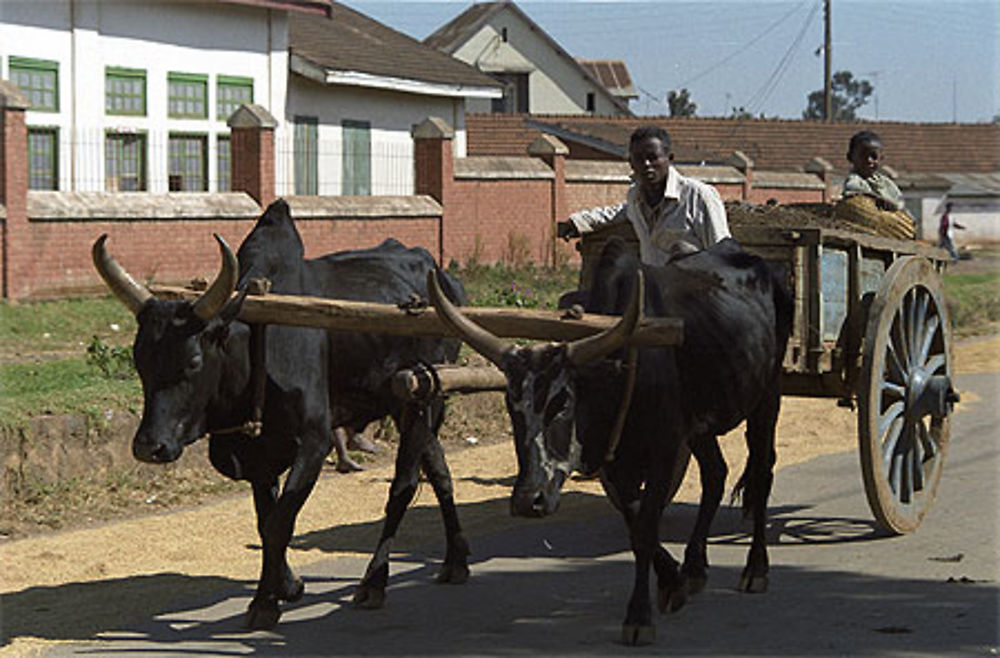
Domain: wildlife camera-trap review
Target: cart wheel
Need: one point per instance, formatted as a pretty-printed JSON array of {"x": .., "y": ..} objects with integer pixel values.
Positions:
[{"x": 905, "y": 395}]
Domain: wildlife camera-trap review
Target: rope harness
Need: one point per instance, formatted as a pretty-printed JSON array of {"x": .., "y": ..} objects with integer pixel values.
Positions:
[{"x": 632, "y": 360}]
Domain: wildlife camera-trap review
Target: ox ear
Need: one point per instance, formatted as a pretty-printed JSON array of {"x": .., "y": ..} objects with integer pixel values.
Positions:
[{"x": 218, "y": 327}]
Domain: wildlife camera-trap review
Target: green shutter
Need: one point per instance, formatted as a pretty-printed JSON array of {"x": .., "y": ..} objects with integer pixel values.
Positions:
[
  {"x": 357, "y": 158},
  {"x": 306, "y": 153}
]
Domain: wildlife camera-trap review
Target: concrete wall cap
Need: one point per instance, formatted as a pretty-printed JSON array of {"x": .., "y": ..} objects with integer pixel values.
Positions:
[
  {"x": 740, "y": 160},
  {"x": 251, "y": 115},
  {"x": 433, "y": 128},
  {"x": 548, "y": 145},
  {"x": 818, "y": 166},
  {"x": 11, "y": 96}
]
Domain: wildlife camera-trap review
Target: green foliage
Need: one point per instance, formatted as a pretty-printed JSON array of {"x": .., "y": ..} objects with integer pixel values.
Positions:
[
  {"x": 114, "y": 362},
  {"x": 523, "y": 287},
  {"x": 680, "y": 103},
  {"x": 847, "y": 95}
]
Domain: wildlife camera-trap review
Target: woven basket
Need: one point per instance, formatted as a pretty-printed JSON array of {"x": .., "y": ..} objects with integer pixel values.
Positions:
[{"x": 861, "y": 212}]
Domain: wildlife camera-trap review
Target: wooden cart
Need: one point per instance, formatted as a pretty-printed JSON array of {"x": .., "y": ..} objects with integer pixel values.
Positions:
[{"x": 870, "y": 328}]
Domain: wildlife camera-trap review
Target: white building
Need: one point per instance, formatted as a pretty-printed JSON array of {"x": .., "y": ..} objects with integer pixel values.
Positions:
[
  {"x": 356, "y": 90},
  {"x": 133, "y": 95},
  {"x": 539, "y": 77}
]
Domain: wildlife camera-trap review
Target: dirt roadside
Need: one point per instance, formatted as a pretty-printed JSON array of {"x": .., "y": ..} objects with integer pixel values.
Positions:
[{"x": 218, "y": 540}]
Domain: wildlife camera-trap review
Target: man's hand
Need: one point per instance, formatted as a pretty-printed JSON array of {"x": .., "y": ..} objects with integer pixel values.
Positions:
[{"x": 566, "y": 230}]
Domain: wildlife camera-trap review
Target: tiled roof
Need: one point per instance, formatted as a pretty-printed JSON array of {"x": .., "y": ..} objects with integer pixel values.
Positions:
[
  {"x": 613, "y": 74},
  {"x": 350, "y": 41},
  {"x": 450, "y": 36},
  {"x": 773, "y": 144}
]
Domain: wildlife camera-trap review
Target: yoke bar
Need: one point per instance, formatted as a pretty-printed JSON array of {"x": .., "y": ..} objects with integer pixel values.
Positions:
[{"x": 339, "y": 314}]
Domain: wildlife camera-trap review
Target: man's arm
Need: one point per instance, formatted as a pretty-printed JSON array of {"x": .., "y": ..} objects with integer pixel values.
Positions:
[{"x": 584, "y": 221}]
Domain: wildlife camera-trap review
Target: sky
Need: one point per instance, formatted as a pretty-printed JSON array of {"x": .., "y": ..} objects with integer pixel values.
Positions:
[{"x": 928, "y": 60}]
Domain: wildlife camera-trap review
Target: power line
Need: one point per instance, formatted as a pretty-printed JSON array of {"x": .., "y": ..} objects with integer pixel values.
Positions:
[
  {"x": 762, "y": 94},
  {"x": 740, "y": 50}
]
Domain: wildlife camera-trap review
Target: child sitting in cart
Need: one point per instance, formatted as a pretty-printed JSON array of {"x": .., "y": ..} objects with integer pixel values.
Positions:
[{"x": 865, "y": 154}]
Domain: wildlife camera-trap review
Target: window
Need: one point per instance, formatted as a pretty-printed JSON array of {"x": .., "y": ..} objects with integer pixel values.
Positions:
[
  {"x": 187, "y": 96},
  {"x": 357, "y": 159},
  {"x": 125, "y": 91},
  {"x": 306, "y": 155},
  {"x": 224, "y": 163},
  {"x": 230, "y": 93},
  {"x": 503, "y": 34},
  {"x": 38, "y": 80},
  {"x": 515, "y": 93},
  {"x": 125, "y": 162},
  {"x": 43, "y": 158},
  {"x": 187, "y": 167},
  {"x": 590, "y": 101}
]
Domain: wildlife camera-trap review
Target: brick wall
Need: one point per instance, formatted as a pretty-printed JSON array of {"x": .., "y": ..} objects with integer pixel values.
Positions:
[{"x": 484, "y": 209}]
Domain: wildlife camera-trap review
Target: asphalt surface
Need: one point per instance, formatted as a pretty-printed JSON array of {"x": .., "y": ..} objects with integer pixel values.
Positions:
[{"x": 549, "y": 587}]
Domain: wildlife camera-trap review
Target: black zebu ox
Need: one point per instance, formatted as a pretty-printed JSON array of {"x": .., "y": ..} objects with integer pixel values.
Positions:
[
  {"x": 195, "y": 367},
  {"x": 737, "y": 318}
]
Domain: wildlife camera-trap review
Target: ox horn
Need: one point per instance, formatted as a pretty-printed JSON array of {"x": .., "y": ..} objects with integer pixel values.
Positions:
[
  {"x": 490, "y": 346},
  {"x": 584, "y": 350},
  {"x": 121, "y": 283},
  {"x": 212, "y": 301}
]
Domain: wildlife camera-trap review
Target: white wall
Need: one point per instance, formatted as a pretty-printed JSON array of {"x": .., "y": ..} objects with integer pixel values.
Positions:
[
  {"x": 979, "y": 215},
  {"x": 85, "y": 36},
  {"x": 556, "y": 84},
  {"x": 391, "y": 115}
]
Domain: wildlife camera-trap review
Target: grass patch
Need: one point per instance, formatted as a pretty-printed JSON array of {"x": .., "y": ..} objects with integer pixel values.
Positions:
[
  {"x": 67, "y": 385},
  {"x": 522, "y": 287},
  {"x": 62, "y": 325},
  {"x": 973, "y": 301}
]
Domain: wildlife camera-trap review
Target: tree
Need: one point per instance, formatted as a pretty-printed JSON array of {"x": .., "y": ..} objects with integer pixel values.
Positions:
[
  {"x": 680, "y": 104},
  {"x": 847, "y": 94}
]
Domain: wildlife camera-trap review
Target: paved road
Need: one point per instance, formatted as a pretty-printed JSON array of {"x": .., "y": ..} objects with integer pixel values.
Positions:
[{"x": 554, "y": 587}]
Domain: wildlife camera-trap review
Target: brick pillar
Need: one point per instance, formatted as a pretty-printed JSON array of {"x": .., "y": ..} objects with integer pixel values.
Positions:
[
  {"x": 434, "y": 172},
  {"x": 252, "y": 148},
  {"x": 13, "y": 186},
  {"x": 824, "y": 170},
  {"x": 742, "y": 161},
  {"x": 553, "y": 152}
]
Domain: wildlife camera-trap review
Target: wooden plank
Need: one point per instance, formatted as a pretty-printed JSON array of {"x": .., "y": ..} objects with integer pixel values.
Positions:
[{"x": 367, "y": 317}]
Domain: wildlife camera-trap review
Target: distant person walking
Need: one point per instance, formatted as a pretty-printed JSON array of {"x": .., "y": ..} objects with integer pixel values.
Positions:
[{"x": 946, "y": 232}]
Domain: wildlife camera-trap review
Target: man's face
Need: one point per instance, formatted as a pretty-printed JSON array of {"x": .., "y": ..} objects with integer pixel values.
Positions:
[
  {"x": 866, "y": 158},
  {"x": 650, "y": 163}
]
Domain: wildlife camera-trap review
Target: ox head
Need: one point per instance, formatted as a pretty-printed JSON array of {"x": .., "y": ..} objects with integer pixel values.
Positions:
[
  {"x": 178, "y": 353},
  {"x": 541, "y": 396}
]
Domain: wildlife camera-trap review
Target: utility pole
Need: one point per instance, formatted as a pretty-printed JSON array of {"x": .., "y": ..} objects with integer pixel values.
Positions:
[{"x": 827, "y": 63}]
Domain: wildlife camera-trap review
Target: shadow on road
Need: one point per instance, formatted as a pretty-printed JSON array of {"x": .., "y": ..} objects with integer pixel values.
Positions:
[{"x": 578, "y": 588}]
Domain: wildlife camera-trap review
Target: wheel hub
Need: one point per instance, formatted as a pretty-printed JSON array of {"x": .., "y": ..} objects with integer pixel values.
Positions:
[{"x": 928, "y": 394}]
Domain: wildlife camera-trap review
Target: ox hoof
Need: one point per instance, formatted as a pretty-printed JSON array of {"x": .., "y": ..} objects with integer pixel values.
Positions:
[
  {"x": 368, "y": 597},
  {"x": 671, "y": 599},
  {"x": 453, "y": 574},
  {"x": 753, "y": 584},
  {"x": 262, "y": 615},
  {"x": 634, "y": 635}
]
